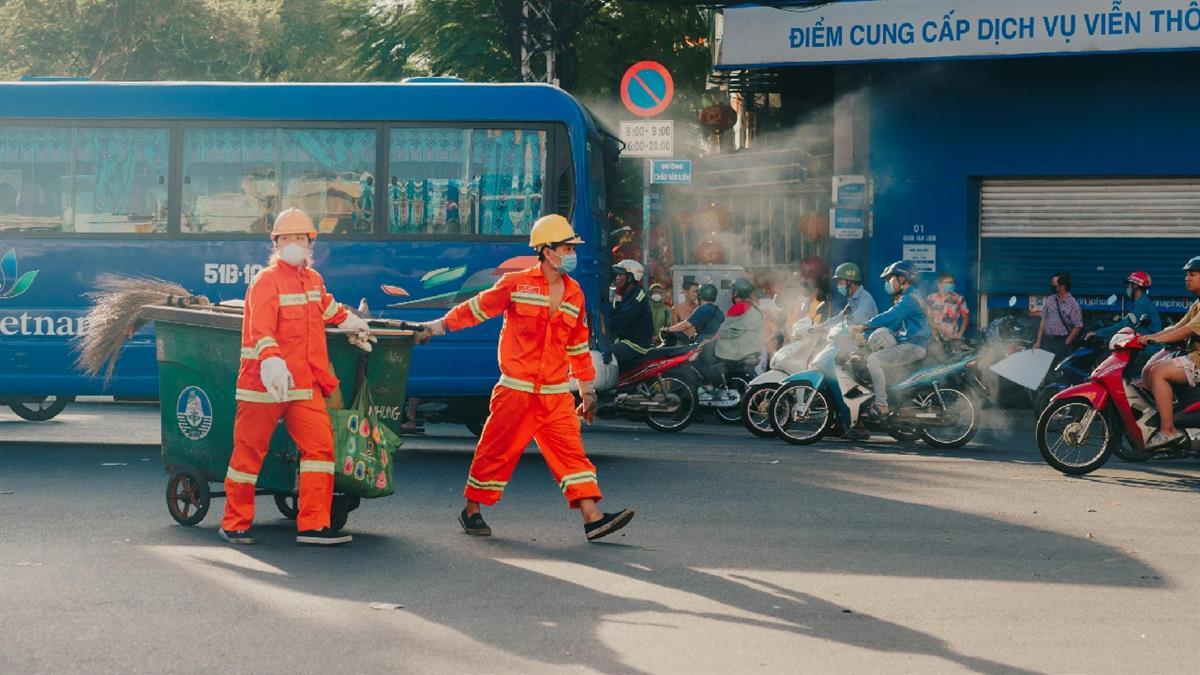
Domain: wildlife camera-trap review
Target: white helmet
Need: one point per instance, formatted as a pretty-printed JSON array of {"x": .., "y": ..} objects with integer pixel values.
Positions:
[{"x": 633, "y": 267}]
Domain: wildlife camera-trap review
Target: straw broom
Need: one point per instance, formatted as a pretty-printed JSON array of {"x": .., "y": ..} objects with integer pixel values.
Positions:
[{"x": 115, "y": 316}]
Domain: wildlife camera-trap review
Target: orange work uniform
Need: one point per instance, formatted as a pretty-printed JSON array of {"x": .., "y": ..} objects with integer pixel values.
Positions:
[
  {"x": 532, "y": 400},
  {"x": 286, "y": 310}
]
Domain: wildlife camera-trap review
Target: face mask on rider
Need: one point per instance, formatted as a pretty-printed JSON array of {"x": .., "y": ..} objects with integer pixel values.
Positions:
[
  {"x": 889, "y": 287},
  {"x": 842, "y": 288},
  {"x": 656, "y": 297},
  {"x": 1129, "y": 291},
  {"x": 293, "y": 254},
  {"x": 947, "y": 287}
]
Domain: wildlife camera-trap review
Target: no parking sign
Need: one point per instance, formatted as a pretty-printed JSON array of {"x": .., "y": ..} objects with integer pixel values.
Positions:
[{"x": 647, "y": 88}]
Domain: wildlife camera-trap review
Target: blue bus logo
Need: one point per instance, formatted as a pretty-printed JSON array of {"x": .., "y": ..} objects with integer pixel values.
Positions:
[
  {"x": 12, "y": 285},
  {"x": 193, "y": 410}
]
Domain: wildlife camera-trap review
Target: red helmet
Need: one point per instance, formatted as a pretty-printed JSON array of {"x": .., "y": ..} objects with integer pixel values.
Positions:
[{"x": 1139, "y": 278}]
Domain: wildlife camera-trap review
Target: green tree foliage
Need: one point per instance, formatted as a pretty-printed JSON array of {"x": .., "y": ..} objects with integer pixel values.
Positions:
[{"x": 175, "y": 39}]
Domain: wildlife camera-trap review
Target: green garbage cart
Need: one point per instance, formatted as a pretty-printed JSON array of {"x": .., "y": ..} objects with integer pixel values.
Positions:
[{"x": 198, "y": 352}]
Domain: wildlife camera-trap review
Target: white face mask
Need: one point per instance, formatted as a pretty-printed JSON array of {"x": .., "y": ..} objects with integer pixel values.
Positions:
[
  {"x": 657, "y": 297},
  {"x": 293, "y": 254}
]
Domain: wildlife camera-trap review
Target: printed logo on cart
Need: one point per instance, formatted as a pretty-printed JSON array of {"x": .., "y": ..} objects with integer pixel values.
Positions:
[
  {"x": 11, "y": 283},
  {"x": 194, "y": 413}
]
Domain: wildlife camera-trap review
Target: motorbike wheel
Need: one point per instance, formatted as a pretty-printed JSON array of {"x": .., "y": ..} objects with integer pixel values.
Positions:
[
  {"x": 733, "y": 415},
  {"x": 959, "y": 403},
  {"x": 756, "y": 410},
  {"x": 673, "y": 390},
  {"x": 809, "y": 428},
  {"x": 46, "y": 409},
  {"x": 1074, "y": 437}
]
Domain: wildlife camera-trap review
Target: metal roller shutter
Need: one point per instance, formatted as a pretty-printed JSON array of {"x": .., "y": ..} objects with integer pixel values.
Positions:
[{"x": 1095, "y": 228}]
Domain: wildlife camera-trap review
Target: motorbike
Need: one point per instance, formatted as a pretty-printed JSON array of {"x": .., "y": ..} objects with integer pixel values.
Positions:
[
  {"x": 659, "y": 389},
  {"x": 724, "y": 396},
  {"x": 1084, "y": 424},
  {"x": 1073, "y": 370},
  {"x": 934, "y": 402},
  {"x": 791, "y": 358}
]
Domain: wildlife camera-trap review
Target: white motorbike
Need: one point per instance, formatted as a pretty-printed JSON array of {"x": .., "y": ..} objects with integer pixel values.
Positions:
[{"x": 790, "y": 359}]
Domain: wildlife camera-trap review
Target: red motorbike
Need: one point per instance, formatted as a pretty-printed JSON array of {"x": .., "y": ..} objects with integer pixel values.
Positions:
[
  {"x": 658, "y": 389},
  {"x": 1086, "y": 423}
]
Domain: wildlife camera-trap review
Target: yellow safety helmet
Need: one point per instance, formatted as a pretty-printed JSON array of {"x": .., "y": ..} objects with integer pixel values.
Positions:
[
  {"x": 552, "y": 229},
  {"x": 293, "y": 221}
]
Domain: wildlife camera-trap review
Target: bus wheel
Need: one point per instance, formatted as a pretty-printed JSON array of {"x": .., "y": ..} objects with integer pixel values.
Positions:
[{"x": 46, "y": 409}]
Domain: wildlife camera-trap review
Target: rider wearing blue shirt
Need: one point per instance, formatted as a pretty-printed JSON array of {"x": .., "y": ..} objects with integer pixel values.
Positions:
[
  {"x": 901, "y": 334},
  {"x": 848, "y": 284},
  {"x": 1137, "y": 288}
]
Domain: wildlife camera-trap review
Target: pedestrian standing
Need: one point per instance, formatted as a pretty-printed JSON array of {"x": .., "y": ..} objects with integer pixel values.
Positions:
[
  {"x": 948, "y": 310},
  {"x": 660, "y": 313},
  {"x": 1062, "y": 319},
  {"x": 545, "y": 334}
]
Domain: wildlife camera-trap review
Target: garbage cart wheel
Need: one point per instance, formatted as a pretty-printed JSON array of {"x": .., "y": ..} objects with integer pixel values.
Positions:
[
  {"x": 339, "y": 513},
  {"x": 188, "y": 497},
  {"x": 288, "y": 505}
]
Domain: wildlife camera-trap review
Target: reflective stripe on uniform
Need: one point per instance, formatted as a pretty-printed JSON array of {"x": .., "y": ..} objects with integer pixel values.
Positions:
[
  {"x": 569, "y": 309},
  {"x": 576, "y": 350},
  {"x": 514, "y": 383},
  {"x": 235, "y": 476},
  {"x": 252, "y": 396},
  {"x": 476, "y": 310},
  {"x": 531, "y": 299},
  {"x": 313, "y": 296},
  {"x": 330, "y": 311},
  {"x": 315, "y": 466},
  {"x": 292, "y": 299},
  {"x": 634, "y": 346},
  {"x": 493, "y": 485},
  {"x": 641, "y": 296},
  {"x": 575, "y": 479},
  {"x": 562, "y": 388},
  {"x": 255, "y": 352}
]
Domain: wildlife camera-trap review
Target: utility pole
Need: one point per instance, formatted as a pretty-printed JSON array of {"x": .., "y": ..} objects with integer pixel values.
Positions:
[{"x": 537, "y": 13}]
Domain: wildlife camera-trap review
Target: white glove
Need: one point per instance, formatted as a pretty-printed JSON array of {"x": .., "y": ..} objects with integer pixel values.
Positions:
[
  {"x": 276, "y": 378},
  {"x": 430, "y": 329},
  {"x": 362, "y": 337}
]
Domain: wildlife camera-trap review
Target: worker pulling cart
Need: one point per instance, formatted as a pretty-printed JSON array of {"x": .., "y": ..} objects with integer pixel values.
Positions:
[{"x": 220, "y": 421}]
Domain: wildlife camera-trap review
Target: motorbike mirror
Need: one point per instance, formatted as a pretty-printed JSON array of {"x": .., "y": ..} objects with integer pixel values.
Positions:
[
  {"x": 1112, "y": 300},
  {"x": 1143, "y": 321},
  {"x": 1012, "y": 301},
  {"x": 846, "y": 310}
]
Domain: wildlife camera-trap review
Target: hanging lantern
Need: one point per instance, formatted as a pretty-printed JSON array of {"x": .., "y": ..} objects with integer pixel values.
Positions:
[
  {"x": 813, "y": 225},
  {"x": 710, "y": 253},
  {"x": 718, "y": 118},
  {"x": 712, "y": 218},
  {"x": 814, "y": 267}
]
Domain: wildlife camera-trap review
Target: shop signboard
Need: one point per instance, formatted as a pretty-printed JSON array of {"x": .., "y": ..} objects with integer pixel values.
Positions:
[
  {"x": 922, "y": 256},
  {"x": 847, "y": 223},
  {"x": 850, "y": 191},
  {"x": 879, "y": 30}
]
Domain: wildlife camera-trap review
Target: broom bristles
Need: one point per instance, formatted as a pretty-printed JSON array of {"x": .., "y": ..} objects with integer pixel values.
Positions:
[{"x": 115, "y": 316}]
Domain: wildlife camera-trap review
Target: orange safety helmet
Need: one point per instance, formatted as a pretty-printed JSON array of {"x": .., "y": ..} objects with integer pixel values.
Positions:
[{"x": 293, "y": 221}]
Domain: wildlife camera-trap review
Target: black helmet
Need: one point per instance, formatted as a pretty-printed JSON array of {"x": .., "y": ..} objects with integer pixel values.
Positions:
[
  {"x": 900, "y": 268},
  {"x": 740, "y": 288},
  {"x": 707, "y": 292},
  {"x": 1192, "y": 265}
]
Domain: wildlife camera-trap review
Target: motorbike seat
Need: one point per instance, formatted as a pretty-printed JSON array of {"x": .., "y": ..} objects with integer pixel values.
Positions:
[{"x": 657, "y": 353}]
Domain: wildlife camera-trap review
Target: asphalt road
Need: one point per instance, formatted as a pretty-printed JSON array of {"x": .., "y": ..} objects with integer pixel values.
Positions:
[{"x": 746, "y": 556}]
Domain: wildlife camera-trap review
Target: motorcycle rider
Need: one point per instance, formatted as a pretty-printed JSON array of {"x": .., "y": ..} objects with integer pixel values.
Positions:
[
  {"x": 1137, "y": 288},
  {"x": 848, "y": 279},
  {"x": 901, "y": 334},
  {"x": 740, "y": 336},
  {"x": 702, "y": 325},
  {"x": 631, "y": 323},
  {"x": 1165, "y": 370}
]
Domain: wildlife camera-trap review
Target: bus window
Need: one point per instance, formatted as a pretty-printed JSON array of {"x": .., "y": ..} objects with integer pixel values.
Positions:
[
  {"x": 230, "y": 179},
  {"x": 35, "y": 180},
  {"x": 455, "y": 181},
  {"x": 121, "y": 180},
  {"x": 330, "y": 174}
]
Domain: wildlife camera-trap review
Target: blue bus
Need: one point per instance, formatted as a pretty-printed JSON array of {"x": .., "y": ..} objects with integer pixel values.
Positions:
[{"x": 423, "y": 192}]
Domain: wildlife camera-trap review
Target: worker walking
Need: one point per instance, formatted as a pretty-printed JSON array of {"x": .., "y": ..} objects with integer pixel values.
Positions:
[
  {"x": 545, "y": 333},
  {"x": 284, "y": 373}
]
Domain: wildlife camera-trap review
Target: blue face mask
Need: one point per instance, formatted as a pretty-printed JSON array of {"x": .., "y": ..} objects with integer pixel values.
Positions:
[
  {"x": 947, "y": 288},
  {"x": 568, "y": 263},
  {"x": 889, "y": 287},
  {"x": 842, "y": 288}
]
